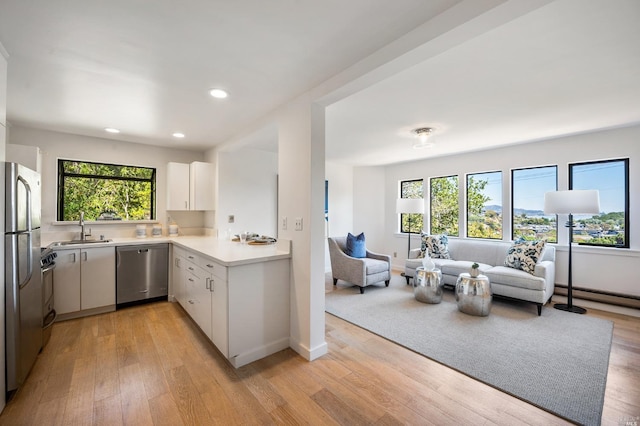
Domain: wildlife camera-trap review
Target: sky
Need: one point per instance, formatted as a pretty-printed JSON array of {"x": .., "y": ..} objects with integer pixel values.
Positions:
[{"x": 530, "y": 185}]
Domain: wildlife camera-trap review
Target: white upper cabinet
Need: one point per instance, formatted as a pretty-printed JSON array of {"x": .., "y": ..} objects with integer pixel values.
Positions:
[
  {"x": 177, "y": 186},
  {"x": 201, "y": 186},
  {"x": 190, "y": 186}
]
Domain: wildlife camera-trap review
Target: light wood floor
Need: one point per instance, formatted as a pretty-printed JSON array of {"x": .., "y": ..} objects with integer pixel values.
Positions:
[{"x": 150, "y": 365}]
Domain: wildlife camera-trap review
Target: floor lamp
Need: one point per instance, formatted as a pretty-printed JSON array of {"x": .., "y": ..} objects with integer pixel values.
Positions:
[
  {"x": 409, "y": 206},
  {"x": 571, "y": 202}
]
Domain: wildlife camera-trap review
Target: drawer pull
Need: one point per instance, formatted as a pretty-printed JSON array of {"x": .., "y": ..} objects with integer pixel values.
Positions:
[{"x": 209, "y": 265}]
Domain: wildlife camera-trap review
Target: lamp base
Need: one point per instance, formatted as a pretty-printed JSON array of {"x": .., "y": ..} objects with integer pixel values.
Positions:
[{"x": 574, "y": 309}]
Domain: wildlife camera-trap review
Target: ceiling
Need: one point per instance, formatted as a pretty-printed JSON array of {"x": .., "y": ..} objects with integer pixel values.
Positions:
[{"x": 482, "y": 73}]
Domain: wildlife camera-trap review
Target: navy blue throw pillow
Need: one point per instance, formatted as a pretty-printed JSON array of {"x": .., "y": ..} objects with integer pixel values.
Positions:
[{"x": 355, "y": 245}]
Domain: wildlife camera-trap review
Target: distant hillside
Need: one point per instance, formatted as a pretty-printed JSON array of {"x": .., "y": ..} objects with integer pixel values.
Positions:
[{"x": 518, "y": 212}]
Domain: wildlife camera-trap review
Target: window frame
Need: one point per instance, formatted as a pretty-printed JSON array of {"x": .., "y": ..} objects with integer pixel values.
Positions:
[
  {"x": 402, "y": 215},
  {"x": 61, "y": 175},
  {"x": 625, "y": 161},
  {"x": 431, "y": 215},
  {"x": 512, "y": 186},
  {"x": 467, "y": 227}
]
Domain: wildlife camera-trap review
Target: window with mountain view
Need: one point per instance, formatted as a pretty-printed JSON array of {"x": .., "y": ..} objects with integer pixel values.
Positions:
[
  {"x": 484, "y": 205},
  {"x": 611, "y": 178},
  {"x": 528, "y": 187},
  {"x": 105, "y": 191},
  {"x": 444, "y": 205},
  {"x": 411, "y": 189}
]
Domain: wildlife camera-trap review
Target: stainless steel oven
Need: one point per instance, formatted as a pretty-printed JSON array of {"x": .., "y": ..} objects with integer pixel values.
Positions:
[{"x": 48, "y": 264}]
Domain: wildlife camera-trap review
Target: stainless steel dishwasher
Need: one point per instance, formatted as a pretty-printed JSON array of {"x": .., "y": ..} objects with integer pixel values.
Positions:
[{"x": 142, "y": 273}]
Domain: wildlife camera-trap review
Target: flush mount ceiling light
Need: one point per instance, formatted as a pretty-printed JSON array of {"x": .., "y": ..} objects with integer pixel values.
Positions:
[
  {"x": 423, "y": 133},
  {"x": 178, "y": 135},
  {"x": 111, "y": 130},
  {"x": 218, "y": 93}
]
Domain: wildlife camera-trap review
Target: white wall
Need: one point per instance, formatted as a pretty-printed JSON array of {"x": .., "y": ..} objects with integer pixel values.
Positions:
[
  {"x": 340, "y": 178},
  {"x": 55, "y": 145},
  {"x": 247, "y": 189},
  {"x": 606, "y": 269},
  {"x": 369, "y": 185}
]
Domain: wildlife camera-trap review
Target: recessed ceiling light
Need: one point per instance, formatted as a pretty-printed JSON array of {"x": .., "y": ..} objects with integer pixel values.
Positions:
[
  {"x": 218, "y": 93},
  {"x": 111, "y": 130},
  {"x": 178, "y": 135}
]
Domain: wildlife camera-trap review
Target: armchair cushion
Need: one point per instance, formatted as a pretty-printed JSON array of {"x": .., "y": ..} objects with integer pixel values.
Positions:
[{"x": 356, "y": 245}]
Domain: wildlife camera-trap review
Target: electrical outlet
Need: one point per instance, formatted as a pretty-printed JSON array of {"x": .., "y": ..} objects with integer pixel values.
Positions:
[
  {"x": 284, "y": 223},
  {"x": 298, "y": 224},
  {"x": 395, "y": 254},
  {"x": 232, "y": 218}
]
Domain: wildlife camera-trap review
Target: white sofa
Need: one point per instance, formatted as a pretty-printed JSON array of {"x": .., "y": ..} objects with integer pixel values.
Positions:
[{"x": 490, "y": 255}]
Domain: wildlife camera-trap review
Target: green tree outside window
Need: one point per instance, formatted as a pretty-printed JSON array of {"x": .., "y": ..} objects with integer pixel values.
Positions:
[{"x": 105, "y": 191}]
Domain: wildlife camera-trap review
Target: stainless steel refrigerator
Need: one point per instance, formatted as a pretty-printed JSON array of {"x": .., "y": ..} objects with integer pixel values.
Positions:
[{"x": 23, "y": 283}]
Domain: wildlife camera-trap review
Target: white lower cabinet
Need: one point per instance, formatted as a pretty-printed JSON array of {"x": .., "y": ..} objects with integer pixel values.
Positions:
[
  {"x": 178, "y": 286},
  {"x": 84, "y": 279},
  {"x": 243, "y": 310}
]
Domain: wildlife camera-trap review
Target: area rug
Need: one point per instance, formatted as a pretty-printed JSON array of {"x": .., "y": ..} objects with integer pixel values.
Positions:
[{"x": 557, "y": 361}]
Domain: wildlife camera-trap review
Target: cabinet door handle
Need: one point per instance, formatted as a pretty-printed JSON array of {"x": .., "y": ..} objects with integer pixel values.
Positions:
[
  {"x": 190, "y": 257},
  {"x": 73, "y": 257},
  {"x": 191, "y": 279},
  {"x": 208, "y": 284},
  {"x": 192, "y": 302},
  {"x": 143, "y": 291},
  {"x": 190, "y": 268},
  {"x": 209, "y": 265},
  {"x": 85, "y": 255},
  {"x": 211, "y": 287}
]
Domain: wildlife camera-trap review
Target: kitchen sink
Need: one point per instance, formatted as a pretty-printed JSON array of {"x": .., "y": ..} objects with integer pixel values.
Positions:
[{"x": 78, "y": 242}]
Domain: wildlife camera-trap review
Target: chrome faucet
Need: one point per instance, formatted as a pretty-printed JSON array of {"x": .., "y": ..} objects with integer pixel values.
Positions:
[{"x": 83, "y": 236}]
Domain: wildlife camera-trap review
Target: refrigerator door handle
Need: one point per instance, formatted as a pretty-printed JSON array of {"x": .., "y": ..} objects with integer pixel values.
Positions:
[
  {"x": 28, "y": 191},
  {"x": 27, "y": 279}
]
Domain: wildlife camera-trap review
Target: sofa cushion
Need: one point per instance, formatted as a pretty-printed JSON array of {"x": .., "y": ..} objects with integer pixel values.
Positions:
[
  {"x": 435, "y": 245},
  {"x": 415, "y": 263},
  {"x": 524, "y": 255},
  {"x": 515, "y": 278},
  {"x": 459, "y": 266},
  {"x": 356, "y": 245}
]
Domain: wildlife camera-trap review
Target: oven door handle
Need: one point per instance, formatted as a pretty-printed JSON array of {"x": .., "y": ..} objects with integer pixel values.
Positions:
[
  {"x": 49, "y": 268},
  {"x": 49, "y": 319}
]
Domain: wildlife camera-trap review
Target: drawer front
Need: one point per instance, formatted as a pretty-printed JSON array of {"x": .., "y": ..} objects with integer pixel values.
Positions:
[
  {"x": 192, "y": 268},
  {"x": 213, "y": 268},
  {"x": 208, "y": 265}
]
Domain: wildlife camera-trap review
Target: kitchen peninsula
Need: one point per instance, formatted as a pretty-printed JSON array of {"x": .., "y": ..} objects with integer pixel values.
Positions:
[{"x": 237, "y": 294}]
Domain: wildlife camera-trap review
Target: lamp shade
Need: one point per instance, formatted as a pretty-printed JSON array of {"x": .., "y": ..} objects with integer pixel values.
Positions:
[
  {"x": 410, "y": 205},
  {"x": 575, "y": 201}
]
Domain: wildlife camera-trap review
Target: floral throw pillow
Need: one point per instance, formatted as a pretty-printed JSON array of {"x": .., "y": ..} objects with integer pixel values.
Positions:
[
  {"x": 436, "y": 245},
  {"x": 524, "y": 255}
]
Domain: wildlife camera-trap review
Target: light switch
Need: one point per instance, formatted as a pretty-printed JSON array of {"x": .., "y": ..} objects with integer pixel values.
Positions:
[
  {"x": 232, "y": 218},
  {"x": 298, "y": 224}
]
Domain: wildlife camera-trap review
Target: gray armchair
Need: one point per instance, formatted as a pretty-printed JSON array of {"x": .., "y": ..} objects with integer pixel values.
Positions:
[{"x": 359, "y": 271}]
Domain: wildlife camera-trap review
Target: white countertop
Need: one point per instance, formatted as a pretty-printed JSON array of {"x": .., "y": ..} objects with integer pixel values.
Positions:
[{"x": 223, "y": 251}]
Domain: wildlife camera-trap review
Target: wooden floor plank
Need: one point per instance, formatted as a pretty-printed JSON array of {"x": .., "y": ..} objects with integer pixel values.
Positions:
[{"x": 151, "y": 365}]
